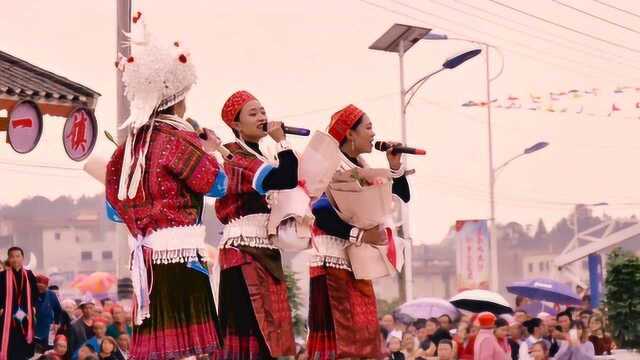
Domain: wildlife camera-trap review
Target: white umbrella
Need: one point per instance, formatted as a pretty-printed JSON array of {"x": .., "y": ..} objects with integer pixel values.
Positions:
[
  {"x": 428, "y": 307},
  {"x": 478, "y": 300}
]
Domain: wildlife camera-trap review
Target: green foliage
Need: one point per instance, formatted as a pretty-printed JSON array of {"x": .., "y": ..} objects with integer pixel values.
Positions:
[
  {"x": 387, "y": 307},
  {"x": 295, "y": 303},
  {"x": 623, "y": 297}
]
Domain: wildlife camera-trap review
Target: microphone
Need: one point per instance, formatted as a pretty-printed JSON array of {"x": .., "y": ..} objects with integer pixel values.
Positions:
[
  {"x": 291, "y": 130},
  {"x": 203, "y": 135},
  {"x": 384, "y": 146}
]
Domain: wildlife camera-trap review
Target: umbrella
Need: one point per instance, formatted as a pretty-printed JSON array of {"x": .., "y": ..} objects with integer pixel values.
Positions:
[
  {"x": 96, "y": 283},
  {"x": 479, "y": 300},
  {"x": 427, "y": 307},
  {"x": 536, "y": 307},
  {"x": 545, "y": 290}
]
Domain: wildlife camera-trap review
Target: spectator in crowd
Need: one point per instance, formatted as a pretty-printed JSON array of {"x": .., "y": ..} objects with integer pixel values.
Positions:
[
  {"x": 82, "y": 328},
  {"x": 486, "y": 345},
  {"x": 18, "y": 294},
  {"x": 445, "y": 322},
  {"x": 387, "y": 322},
  {"x": 466, "y": 347},
  {"x": 535, "y": 328},
  {"x": 119, "y": 325},
  {"x": 124, "y": 345},
  {"x": 56, "y": 290},
  {"x": 394, "y": 345},
  {"x": 409, "y": 346},
  {"x": 521, "y": 301},
  {"x": 431, "y": 326},
  {"x": 87, "y": 352},
  {"x": 520, "y": 316},
  {"x": 49, "y": 313},
  {"x": 100, "y": 331},
  {"x": 539, "y": 351},
  {"x": 585, "y": 315},
  {"x": 557, "y": 335},
  {"x": 501, "y": 333},
  {"x": 516, "y": 337},
  {"x": 60, "y": 348},
  {"x": 564, "y": 320},
  {"x": 576, "y": 345},
  {"x": 108, "y": 349},
  {"x": 445, "y": 350},
  {"x": 602, "y": 343},
  {"x": 586, "y": 302}
]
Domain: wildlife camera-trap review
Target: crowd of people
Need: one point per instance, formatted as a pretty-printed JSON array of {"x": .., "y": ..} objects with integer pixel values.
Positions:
[
  {"x": 38, "y": 324},
  {"x": 572, "y": 334}
]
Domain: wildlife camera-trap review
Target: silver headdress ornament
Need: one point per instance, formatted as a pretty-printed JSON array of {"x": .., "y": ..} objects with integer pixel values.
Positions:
[{"x": 156, "y": 76}]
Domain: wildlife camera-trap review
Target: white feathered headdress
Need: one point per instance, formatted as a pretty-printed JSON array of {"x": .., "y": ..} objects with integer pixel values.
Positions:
[{"x": 156, "y": 76}]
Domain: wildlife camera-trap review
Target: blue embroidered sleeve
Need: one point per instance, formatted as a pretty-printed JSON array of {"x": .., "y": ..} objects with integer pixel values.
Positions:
[
  {"x": 112, "y": 214},
  {"x": 258, "y": 179},
  {"x": 327, "y": 219},
  {"x": 219, "y": 187}
]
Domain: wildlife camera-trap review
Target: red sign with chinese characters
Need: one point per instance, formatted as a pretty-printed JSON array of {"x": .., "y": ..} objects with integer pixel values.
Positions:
[
  {"x": 472, "y": 254},
  {"x": 79, "y": 134}
]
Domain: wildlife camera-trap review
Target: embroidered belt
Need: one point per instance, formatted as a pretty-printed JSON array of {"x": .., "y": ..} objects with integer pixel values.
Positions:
[
  {"x": 330, "y": 251},
  {"x": 250, "y": 230}
]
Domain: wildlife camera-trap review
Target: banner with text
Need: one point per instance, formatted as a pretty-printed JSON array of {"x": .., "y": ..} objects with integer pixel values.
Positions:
[{"x": 472, "y": 254}]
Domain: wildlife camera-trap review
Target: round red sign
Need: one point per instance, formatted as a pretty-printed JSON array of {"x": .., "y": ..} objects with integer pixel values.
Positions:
[
  {"x": 79, "y": 134},
  {"x": 25, "y": 126}
]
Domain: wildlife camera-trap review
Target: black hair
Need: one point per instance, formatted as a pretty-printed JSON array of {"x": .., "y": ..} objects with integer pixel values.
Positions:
[
  {"x": 171, "y": 110},
  {"x": 236, "y": 119},
  {"x": 54, "y": 287},
  {"x": 566, "y": 313},
  {"x": 447, "y": 316},
  {"x": 500, "y": 322},
  {"x": 519, "y": 300},
  {"x": 420, "y": 323},
  {"x": 15, "y": 248},
  {"x": 531, "y": 324},
  {"x": 353, "y": 127},
  {"x": 446, "y": 342},
  {"x": 586, "y": 312},
  {"x": 439, "y": 335},
  {"x": 434, "y": 320}
]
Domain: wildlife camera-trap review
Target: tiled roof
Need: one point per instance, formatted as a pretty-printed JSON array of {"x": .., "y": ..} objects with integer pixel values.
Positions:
[{"x": 20, "y": 78}]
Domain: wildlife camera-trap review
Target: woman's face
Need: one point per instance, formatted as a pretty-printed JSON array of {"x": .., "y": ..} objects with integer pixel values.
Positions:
[
  {"x": 252, "y": 118},
  {"x": 60, "y": 348},
  {"x": 595, "y": 325},
  {"x": 537, "y": 352},
  {"x": 118, "y": 315},
  {"x": 360, "y": 139},
  {"x": 408, "y": 342},
  {"x": 107, "y": 347},
  {"x": 501, "y": 332}
]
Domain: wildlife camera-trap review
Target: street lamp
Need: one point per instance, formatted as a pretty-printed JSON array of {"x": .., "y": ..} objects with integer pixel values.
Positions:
[
  {"x": 531, "y": 149},
  {"x": 399, "y": 39}
]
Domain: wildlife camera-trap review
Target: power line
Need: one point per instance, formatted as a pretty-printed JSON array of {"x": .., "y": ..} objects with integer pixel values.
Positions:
[
  {"x": 565, "y": 27},
  {"x": 617, "y": 8},
  {"x": 40, "y": 166},
  {"x": 518, "y": 53},
  {"x": 608, "y": 70},
  {"x": 580, "y": 48},
  {"x": 596, "y": 16}
]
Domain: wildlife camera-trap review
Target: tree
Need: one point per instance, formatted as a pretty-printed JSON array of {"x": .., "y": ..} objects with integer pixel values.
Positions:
[
  {"x": 622, "y": 297},
  {"x": 293, "y": 290},
  {"x": 541, "y": 232}
]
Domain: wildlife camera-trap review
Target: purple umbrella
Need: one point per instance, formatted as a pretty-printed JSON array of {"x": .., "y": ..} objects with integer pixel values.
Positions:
[
  {"x": 536, "y": 307},
  {"x": 425, "y": 308},
  {"x": 545, "y": 290}
]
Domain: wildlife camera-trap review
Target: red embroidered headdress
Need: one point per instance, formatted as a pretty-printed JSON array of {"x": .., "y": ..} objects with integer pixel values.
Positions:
[
  {"x": 234, "y": 104},
  {"x": 343, "y": 120}
]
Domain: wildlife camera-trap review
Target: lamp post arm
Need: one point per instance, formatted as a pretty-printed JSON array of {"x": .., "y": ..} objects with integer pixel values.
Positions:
[
  {"x": 507, "y": 163},
  {"x": 497, "y": 49},
  {"x": 417, "y": 85}
]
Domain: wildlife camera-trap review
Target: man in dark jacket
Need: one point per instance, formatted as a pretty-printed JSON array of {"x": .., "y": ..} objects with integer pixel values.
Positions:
[{"x": 81, "y": 329}]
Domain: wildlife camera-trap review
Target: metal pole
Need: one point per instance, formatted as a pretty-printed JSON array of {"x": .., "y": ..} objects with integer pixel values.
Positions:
[
  {"x": 123, "y": 19},
  {"x": 492, "y": 182},
  {"x": 408, "y": 267}
]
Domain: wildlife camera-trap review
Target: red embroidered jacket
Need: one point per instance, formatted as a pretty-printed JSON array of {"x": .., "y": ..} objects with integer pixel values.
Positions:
[{"x": 177, "y": 174}]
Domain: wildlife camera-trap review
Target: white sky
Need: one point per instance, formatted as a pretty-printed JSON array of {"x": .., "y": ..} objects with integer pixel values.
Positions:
[{"x": 305, "y": 59}]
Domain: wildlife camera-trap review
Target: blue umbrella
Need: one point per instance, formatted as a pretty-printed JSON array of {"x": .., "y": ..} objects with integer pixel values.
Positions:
[{"x": 545, "y": 290}]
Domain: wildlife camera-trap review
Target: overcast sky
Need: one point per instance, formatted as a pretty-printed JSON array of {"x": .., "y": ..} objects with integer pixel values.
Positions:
[{"x": 306, "y": 59}]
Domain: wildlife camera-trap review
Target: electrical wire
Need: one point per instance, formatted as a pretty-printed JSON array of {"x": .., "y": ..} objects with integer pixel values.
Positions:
[
  {"x": 524, "y": 55},
  {"x": 543, "y": 38},
  {"x": 523, "y": 45},
  {"x": 617, "y": 8},
  {"x": 595, "y": 16},
  {"x": 565, "y": 27}
]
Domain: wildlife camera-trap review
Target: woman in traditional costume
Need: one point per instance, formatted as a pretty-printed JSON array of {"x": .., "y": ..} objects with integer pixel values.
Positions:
[
  {"x": 342, "y": 310},
  {"x": 254, "y": 310},
  {"x": 155, "y": 183}
]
